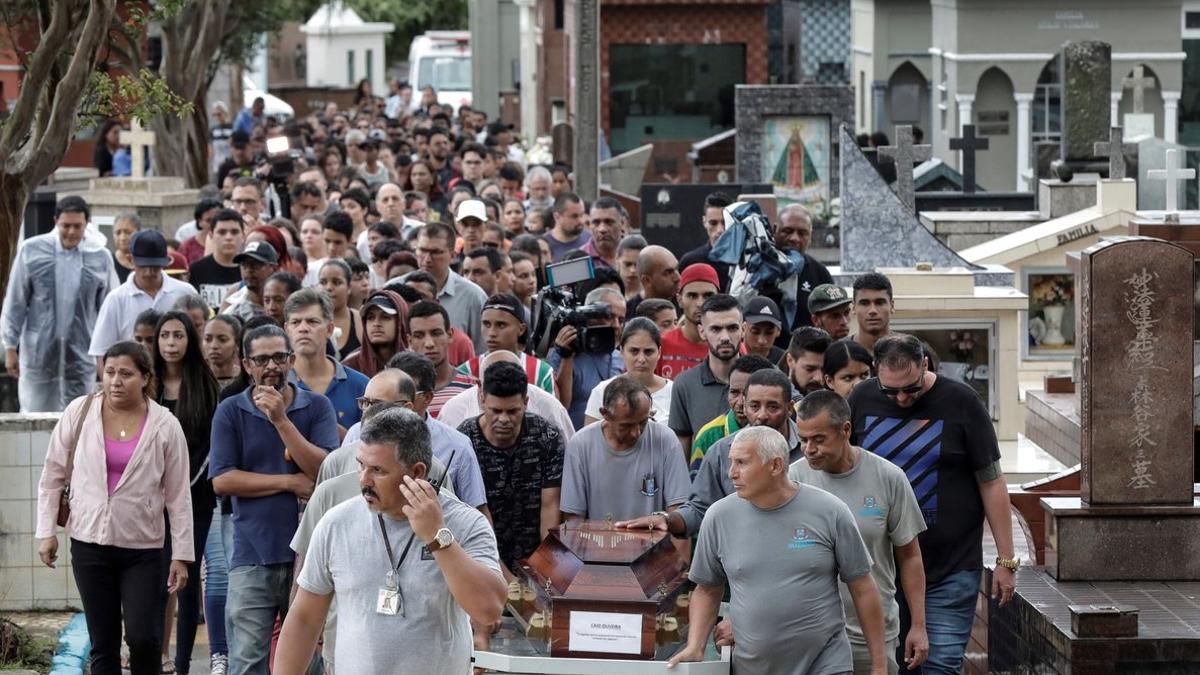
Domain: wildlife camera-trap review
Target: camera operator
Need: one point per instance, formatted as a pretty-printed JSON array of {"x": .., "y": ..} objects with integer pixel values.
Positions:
[{"x": 581, "y": 369}]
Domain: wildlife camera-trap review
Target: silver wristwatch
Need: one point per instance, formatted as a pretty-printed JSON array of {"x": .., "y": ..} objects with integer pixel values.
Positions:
[{"x": 443, "y": 539}]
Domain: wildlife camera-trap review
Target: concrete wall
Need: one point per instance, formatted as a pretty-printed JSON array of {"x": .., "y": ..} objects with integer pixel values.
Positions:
[
  {"x": 963, "y": 230},
  {"x": 328, "y": 64},
  {"x": 25, "y": 583}
]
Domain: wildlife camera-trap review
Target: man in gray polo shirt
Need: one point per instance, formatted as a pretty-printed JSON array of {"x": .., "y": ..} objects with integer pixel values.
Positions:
[
  {"x": 886, "y": 512},
  {"x": 781, "y": 546},
  {"x": 766, "y": 404},
  {"x": 627, "y": 465},
  {"x": 700, "y": 393}
]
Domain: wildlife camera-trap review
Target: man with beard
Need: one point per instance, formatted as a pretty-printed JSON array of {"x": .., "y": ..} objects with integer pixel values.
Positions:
[
  {"x": 409, "y": 609},
  {"x": 683, "y": 347},
  {"x": 830, "y": 309},
  {"x": 805, "y": 356},
  {"x": 568, "y": 232},
  {"x": 767, "y": 404},
  {"x": 267, "y": 447},
  {"x": 606, "y": 228},
  {"x": 700, "y": 394},
  {"x": 308, "y": 318},
  {"x": 439, "y": 156}
]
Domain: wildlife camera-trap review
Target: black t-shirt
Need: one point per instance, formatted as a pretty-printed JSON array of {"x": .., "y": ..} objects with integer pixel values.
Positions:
[
  {"x": 514, "y": 479},
  {"x": 940, "y": 442},
  {"x": 212, "y": 279},
  {"x": 231, "y": 167},
  {"x": 123, "y": 272}
]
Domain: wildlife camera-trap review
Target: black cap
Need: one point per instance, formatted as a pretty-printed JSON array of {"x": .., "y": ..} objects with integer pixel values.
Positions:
[
  {"x": 383, "y": 302},
  {"x": 506, "y": 302},
  {"x": 260, "y": 251},
  {"x": 149, "y": 249},
  {"x": 760, "y": 310},
  {"x": 239, "y": 139}
]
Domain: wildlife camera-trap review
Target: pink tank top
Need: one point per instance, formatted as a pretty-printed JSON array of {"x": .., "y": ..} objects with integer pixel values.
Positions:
[{"x": 117, "y": 455}]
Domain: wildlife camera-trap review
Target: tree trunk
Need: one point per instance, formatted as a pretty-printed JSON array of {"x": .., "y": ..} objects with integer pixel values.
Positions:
[{"x": 14, "y": 191}]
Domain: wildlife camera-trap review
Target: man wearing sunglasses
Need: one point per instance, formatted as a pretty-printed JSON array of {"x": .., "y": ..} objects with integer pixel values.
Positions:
[
  {"x": 940, "y": 433},
  {"x": 267, "y": 447}
]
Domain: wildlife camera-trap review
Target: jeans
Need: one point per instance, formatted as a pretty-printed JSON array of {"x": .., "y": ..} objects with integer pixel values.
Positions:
[
  {"x": 119, "y": 582},
  {"x": 257, "y": 594},
  {"x": 949, "y": 615},
  {"x": 187, "y": 614},
  {"x": 227, "y": 545},
  {"x": 216, "y": 585}
]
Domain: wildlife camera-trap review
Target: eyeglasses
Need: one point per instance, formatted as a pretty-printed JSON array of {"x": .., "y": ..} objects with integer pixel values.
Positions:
[
  {"x": 911, "y": 390},
  {"x": 364, "y": 402},
  {"x": 245, "y": 201},
  {"x": 280, "y": 359}
]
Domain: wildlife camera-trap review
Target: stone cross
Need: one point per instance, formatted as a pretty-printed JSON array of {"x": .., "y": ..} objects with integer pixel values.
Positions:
[
  {"x": 905, "y": 154},
  {"x": 1172, "y": 175},
  {"x": 1115, "y": 148},
  {"x": 1139, "y": 83},
  {"x": 968, "y": 144},
  {"x": 138, "y": 139}
]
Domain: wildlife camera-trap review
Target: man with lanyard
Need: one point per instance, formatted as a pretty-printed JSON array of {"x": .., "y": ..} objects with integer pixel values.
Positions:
[{"x": 409, "y": 607}]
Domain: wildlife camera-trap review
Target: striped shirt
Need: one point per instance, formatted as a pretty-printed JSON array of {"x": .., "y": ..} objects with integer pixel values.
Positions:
[
  {"x": 459, "y": 383},
  {"x": 539, "y": 373}
]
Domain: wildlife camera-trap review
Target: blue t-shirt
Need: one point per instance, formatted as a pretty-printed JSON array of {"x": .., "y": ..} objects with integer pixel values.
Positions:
[
  {"x": 244, "y": 439},
  {"x": 343, "y": 391},
  {"x": 589, "y": 371}
]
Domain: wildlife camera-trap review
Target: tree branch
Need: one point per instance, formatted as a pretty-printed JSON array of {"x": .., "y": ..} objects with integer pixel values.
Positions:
[
  {"x": 33, "y": 83},
  {"x": 53, "y": 144}
]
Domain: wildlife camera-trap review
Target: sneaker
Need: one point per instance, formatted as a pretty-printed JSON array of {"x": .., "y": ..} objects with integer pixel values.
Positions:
[{"x": 219, "y": 665}]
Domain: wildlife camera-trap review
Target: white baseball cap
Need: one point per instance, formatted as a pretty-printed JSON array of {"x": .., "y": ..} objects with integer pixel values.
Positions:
[{"x": 471, "y": 208}]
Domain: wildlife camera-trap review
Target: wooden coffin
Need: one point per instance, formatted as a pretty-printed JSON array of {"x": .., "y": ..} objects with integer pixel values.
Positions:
[{"x": 597, "y": 592}]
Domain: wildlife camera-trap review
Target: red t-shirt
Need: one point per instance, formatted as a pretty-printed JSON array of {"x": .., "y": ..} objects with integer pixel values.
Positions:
[
  {"x": 679, "y": 354},
  {"x": 461, "y": 348}
]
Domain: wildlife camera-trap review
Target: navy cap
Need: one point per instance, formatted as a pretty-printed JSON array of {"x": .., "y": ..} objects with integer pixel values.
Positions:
[{"x": 149, "y": 249}]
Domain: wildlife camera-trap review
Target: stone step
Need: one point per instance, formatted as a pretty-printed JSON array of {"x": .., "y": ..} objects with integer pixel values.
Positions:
[{"x": 1023, "y": 461}]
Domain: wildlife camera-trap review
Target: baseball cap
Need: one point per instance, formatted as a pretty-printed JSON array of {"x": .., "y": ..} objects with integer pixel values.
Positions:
[
  {"x": 178, "y": 266},
  {"x": 149, "y": 249},
  {"x": 260, "y": 251},
  {"x": 377, "y": 135},
  {"x": 762, "y": 310},
  {"x": 699, "y": 272},
  {"x": 239, "y": 139},
  {"x": 506, "y": 302},
  {"x": 471, "y": 208},
  {"x": 383, "y": 302},
  {"x": 825, "y": 297}
]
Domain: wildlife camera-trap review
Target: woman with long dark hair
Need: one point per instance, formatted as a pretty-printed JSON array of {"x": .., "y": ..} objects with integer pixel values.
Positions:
[
  {"x": 222, "y": 340},
  {"x": 108, "y": 141},
  {"x": 335, "y": 278},
  {"x": 123, "y": 460},
  {"x": 190, "y": 391}
]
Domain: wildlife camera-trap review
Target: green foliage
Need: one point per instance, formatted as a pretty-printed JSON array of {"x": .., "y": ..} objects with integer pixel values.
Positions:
[
  {"x": 141, "y": 97},
  {"x": 19, "y": 649}
]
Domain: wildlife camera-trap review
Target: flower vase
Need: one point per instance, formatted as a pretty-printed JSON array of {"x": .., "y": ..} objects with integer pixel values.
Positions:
[{"x": 1053, "y": 315}]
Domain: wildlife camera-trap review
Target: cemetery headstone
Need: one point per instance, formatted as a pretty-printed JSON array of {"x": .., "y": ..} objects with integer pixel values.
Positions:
[
  {"x": 1136, "y": 390},
  {"x": 1152, "y": 155},
  {"x": 1139, "y": 122},
  {"x": 138, "y": 139},
  {"x": 671, "y": 213},
  {"x": 904, "y": 154},
  {"x": 968, "y": 144},
  {"x": 1086, "y": 82},
  {"x": 1172, "y": 174},
  {"x": 1115, "y": 148},
  {"x": 562, "y": 143}
]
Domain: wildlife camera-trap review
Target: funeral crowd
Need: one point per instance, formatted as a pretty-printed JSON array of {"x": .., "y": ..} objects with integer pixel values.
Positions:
[{"x": 333, "y": 413}]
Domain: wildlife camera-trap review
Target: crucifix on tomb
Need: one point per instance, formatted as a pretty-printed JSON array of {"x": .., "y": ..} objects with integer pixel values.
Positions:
[
  {"x": 968, "y": 144},
  {"x": 138, "y": 139},
  {"x": 1139, "y": 83},
  {"x": 1172, "y": 175},
  {"x": 904, "y": 154},
  {"x": 1115, "y": 148}
]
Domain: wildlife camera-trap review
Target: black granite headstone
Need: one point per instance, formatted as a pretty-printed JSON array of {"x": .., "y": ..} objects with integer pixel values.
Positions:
[{"x": 672, "y": 213}]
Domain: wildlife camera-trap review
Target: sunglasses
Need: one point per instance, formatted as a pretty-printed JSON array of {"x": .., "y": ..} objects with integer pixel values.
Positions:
[
  {"x": 364, "y": 402},
  {"x": 911, "y": 390},
  {"x": 280, "y": 359}
]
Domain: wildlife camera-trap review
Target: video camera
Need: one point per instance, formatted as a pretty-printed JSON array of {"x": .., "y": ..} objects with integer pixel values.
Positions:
[{"x": 557, "y": 306}]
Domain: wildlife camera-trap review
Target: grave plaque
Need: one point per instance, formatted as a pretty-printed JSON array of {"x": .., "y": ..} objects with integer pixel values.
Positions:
[
  {"x": 1136, "y": 373},
  {"x": 603, "y": 591},
  {"x": 671, "y": 213}
]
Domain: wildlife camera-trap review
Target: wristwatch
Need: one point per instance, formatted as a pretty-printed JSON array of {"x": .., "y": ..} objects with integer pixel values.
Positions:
[
  {"x": 1009, "y": 563},
  {"x": 665, "y": 516},
  {"x": 443, "y": 539}
]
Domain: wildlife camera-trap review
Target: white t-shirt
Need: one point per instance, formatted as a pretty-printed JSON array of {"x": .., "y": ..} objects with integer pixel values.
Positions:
[{"x": 660, "y": 401}]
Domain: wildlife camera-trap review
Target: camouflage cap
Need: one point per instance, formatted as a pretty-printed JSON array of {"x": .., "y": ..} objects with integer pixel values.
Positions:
[{"x": 826, "y": 297}]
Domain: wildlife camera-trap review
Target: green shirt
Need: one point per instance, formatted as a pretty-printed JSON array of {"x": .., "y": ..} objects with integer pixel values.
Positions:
[{"x": 710, "y": 433}]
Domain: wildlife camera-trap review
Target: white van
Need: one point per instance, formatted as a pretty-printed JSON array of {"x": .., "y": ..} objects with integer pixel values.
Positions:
[{"x": 442, "y": 58}]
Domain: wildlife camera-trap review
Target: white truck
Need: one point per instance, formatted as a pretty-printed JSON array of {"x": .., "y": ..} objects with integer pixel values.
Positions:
[{"x": 442, "y": 58}]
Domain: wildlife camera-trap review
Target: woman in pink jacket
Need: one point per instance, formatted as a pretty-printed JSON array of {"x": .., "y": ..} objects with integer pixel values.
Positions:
[{"x": 131, "y": 463}]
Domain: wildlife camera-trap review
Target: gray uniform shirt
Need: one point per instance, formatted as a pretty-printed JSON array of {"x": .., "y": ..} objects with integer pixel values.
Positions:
[
  {"x": 783, "y": 566},
  {"x": 347, "y": 558},
  {"x": 598, "y": 481},
  {"x": 712, "y": 479},
  {"x": 887, "y": 514}
]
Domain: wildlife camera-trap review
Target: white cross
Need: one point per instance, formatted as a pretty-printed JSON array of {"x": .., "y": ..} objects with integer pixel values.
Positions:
[
  {"x": 1172, "y": 175},
  {"x": 138, "y": 139}
]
